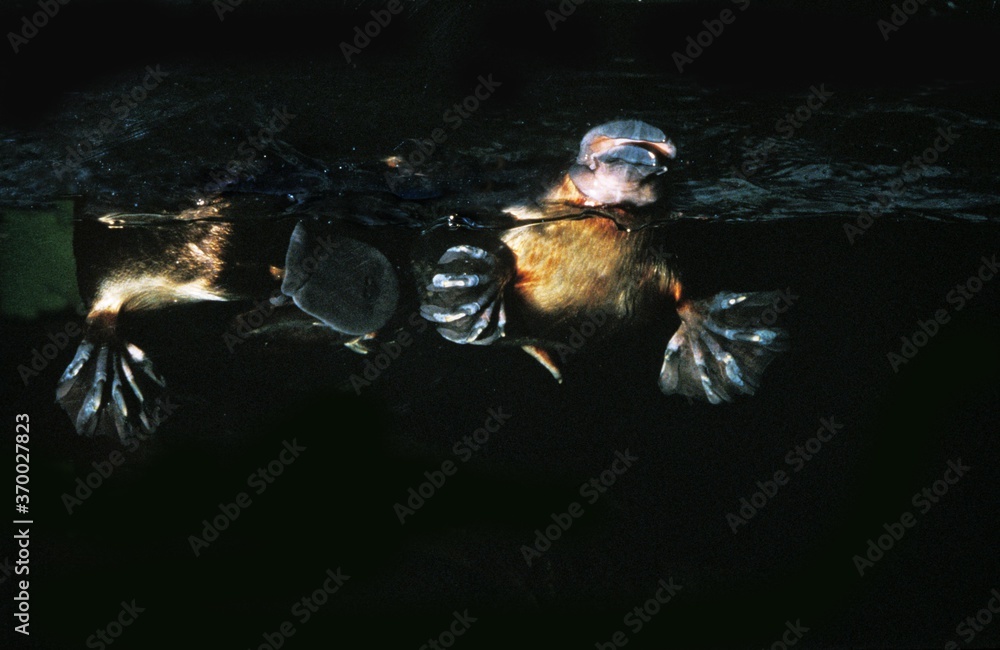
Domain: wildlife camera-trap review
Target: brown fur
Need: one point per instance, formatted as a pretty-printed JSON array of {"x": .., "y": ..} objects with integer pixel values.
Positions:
[{"x": 572, "y": 266}]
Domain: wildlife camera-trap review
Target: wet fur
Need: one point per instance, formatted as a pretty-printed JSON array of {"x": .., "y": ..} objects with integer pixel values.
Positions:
[{"x": 572, "y": 267}]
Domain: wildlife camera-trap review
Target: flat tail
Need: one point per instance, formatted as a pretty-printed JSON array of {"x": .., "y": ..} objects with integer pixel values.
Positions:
[
  {"x": 110, "y": 388},
  {"x": 722, "y": 347}
]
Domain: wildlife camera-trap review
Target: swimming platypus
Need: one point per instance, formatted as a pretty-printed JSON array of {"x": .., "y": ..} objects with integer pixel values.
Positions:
[
  {"x": 559, "y": 271},
  {"x": 557, "y": 259}
]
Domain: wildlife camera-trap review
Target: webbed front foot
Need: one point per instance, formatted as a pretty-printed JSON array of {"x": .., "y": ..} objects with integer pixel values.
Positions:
[
  {"x": 722, "y": 346},
  {"x": 464, "y": 295}
]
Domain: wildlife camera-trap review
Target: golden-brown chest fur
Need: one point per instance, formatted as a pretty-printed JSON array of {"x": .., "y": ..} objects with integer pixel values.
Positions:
[{"x": 573, "y": 266}]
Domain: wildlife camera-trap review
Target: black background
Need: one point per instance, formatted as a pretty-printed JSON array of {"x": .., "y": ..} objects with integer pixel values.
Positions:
[{"x": 666, "y": 517}]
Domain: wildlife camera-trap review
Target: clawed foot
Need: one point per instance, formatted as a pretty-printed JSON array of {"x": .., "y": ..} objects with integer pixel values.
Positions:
[
  {"x": 465, "y": 296},
  {"x": 111, "y": 386},
  {"x": 722, "y": 347}
]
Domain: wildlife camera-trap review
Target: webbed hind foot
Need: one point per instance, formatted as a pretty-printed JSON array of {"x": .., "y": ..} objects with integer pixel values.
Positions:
[{"x": 110, "y": 386}]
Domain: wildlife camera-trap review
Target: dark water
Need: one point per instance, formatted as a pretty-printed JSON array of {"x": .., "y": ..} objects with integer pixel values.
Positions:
[{"x": 854, "y": 292}]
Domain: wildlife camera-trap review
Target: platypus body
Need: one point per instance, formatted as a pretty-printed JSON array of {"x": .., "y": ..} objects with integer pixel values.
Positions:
[{"x": 558, "y": 259}]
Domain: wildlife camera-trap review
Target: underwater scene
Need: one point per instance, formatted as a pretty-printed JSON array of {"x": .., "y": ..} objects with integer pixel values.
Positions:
[{"x": 583, "y": 324}]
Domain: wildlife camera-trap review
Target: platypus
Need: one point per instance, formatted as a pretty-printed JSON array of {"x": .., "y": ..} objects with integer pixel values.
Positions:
[
  {"x": 559, "y": 271},
  {"x": 554, "y": 261}
]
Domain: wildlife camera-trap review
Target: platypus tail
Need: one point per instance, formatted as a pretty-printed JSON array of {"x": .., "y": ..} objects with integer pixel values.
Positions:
[
  {"x": 722, "y": 347},
  {"x": 110, "y": 386}
]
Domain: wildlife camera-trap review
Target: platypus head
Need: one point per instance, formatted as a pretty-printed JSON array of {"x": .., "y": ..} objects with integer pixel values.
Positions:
[{"x": 618, "y": 160}]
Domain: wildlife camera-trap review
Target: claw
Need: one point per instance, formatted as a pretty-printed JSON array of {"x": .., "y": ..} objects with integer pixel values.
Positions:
[
  {"x": 458, "y": 252},
  {"x": 729, "y": 365},
  {"x": 699, "y": 360},
  {"x": 452, "y": 281},
  {"x": 669, "y": 377},
  {"x": 119, "y": 410},
  {"x": 86, "y": 420},
  {"x": 116, "y": 392},
  {"x": 765, "y": 337},
  {"x": 104, "y": 393},
  {"x": 477, "y": 328},
  {"x": 144, "y": 363},
  {"x": 481, "y": 323},
  {"x": 357, "y": 344},
  {"x": 727, "y": 300},
  {"x": 440, "y": 314},
  {"x": 499, "y": 332},
  {"x": 73, "y": 369},
  {"x": 130, "y": 378},
  {"x": 728, "y": 332}
]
